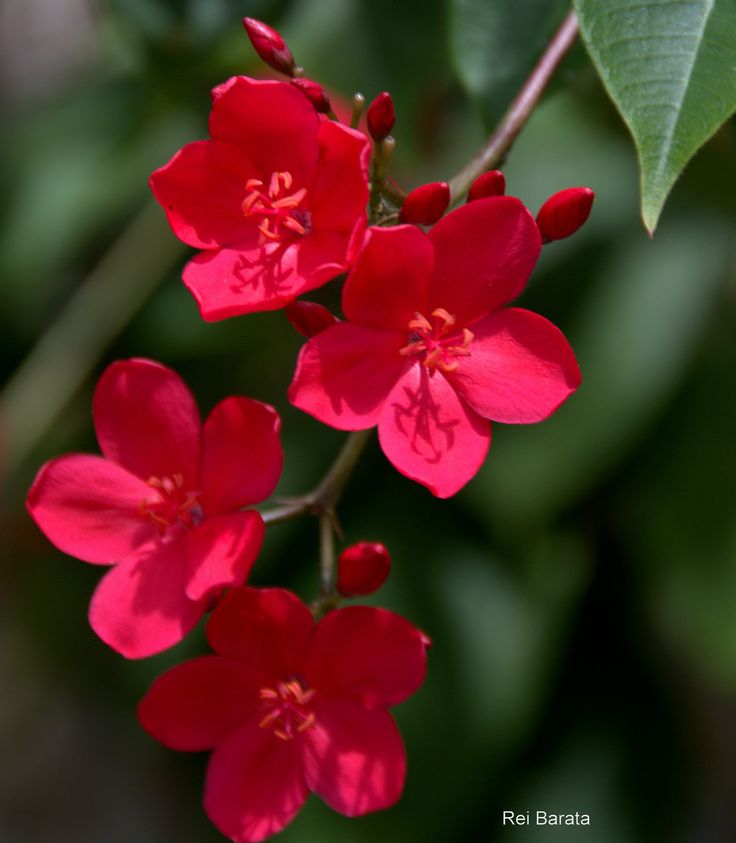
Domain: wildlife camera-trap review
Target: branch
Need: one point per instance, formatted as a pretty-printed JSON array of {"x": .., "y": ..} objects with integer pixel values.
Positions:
[
  {"x": 513, "y": 121},
  {"x": 323, "y": 499}
]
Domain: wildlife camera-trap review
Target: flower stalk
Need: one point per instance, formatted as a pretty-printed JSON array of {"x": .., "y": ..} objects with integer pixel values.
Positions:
[
  {"x": 515, "y": 118},
  {"x": 323, "y": 499}
]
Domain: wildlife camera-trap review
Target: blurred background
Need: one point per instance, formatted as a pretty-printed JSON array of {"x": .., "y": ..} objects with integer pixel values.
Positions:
[{"x": 581, "y": 591}]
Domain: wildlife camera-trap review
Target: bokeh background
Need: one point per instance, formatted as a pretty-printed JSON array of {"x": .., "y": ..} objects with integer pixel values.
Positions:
[{"x": 581, "y": 591}]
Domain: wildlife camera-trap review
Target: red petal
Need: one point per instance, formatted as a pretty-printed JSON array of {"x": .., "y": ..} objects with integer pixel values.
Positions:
[
  {"x": 202, "y": 189},
  {"x": 140, "y": 606},
  {"x": 241, "y": 454},
  {"x": 344, "y": 375},
  {"x": 368, "y": 655},
  {"x": 228, "y": 283},
  {"x": 266, "y": 628},
  {"x": 255, "y": 785},
  {"x": 90, "y": 508},
  {"x": 430, "y": 435},
  {"x": 484, "y": 253},
  {"x": 272, "y": 121},
  {"x": 340, "y": 193},
  {"x": 196, "y": 705},
  {"x": 520, "y": 369},
  {"x": 221, "y": 552},
  {"x": 354, "y": 758},
  {"x": 147, "y": 421},
  {"x": 388, "y": 284}
]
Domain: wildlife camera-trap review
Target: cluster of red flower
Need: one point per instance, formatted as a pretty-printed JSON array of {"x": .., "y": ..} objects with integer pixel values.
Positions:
[{"x": 428, "y": 352}]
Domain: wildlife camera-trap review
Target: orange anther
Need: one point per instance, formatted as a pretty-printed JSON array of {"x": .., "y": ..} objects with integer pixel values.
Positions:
[
  {"x": 419, "y": 323},
  {"x": 307, "y": 723},
  {"x": 412, "y": 348}
]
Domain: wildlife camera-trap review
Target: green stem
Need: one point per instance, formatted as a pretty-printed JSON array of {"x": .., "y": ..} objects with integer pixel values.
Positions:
[
  {"x": 513, "y": 121},
  {"x": 323, "y": 499},
  {"x": 327, "y": 553}
]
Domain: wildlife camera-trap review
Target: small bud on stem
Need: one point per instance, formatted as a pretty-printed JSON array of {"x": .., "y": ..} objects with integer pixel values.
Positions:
[
  {"x": 315, "y": 93},
  {"x": 270, "y": 46},
  {"x": 358, "y": 106},
  {"x": 362, "y": 568},
  {"x": 309, "y": 318},
  {"x": 564, "y": 212},
  {"x": 487, "y": 184},
  {"x": 381, "y": 117},
  {"x": 426, "y": 204}
]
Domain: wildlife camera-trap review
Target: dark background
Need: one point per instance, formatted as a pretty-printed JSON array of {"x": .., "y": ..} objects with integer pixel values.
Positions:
[{"x": 581, "y": 591}]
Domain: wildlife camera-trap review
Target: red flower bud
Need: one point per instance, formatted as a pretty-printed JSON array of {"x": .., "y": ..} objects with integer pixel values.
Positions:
[
  {"x": 309, "y": 318},
  {"x": 270, "y": 46},
  {"x": 426, "y": 204},
  {"x": 564, "y": 212},
  {"x": 489, "y": 184},
  {"x": 315, "y": 93},
  {"x": 381, "y": 117},
  {"x": 362, "y": 568}
]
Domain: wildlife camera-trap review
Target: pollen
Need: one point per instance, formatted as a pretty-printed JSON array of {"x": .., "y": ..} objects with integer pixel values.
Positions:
[
  {"x": 289, "y": 712},
  {"x": 277, "y": 211},
  {"x": 438, "y": 343},
  {"x": 171, "y": 503}
]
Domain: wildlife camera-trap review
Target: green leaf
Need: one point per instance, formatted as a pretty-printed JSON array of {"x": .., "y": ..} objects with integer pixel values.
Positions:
[
  {"x": 670, "y": 68},
  {"x": 495, "y": 45}
]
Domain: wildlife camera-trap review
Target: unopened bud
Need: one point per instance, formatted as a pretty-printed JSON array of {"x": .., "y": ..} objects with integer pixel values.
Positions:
[
  {"x": 489, "y": 184},
  {"x": 362, "y": 568},
  {"x": 309, "y": 318},
  {"x": 564, "y": 212},
  {"x": 270, "y": 46},
  {"x": 381, "y": 117},
  {"x": 315, "y": 93},
  {"x": 426, "y": 204}
]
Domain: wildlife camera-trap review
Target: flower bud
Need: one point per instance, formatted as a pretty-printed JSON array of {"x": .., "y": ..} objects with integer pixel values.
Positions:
[
  {"x": 309, "y": 318},
  {"x": 315, "y": 93},
  {"x": 488, "y": 184},
  {"x": 426, "y": 204},
  {"x": 381, "y": 117},
  {"x": 564, "y": 212},
  {"x": 362, "y": 568},
  {"x": 270, "y": 46}
]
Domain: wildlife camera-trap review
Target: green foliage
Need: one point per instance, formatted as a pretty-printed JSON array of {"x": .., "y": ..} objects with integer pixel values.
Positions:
[
  {"x": 670, "y": 68},
  {"x": 495, "y": 45},
  {"x": 579, "y": 592}
]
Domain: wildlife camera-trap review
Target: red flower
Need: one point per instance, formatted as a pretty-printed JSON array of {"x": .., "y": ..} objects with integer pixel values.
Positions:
[
  {"x": 428, "y": 354},
  {"x": 163, "y": 503},
  {"x": 274, "y": 198},
  {"x": 290, "y": 707}
]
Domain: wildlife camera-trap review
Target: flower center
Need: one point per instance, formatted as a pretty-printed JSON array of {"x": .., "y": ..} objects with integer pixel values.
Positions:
[
  {"x": 439, "y": 342},
  {"x": 289, "y": 711},
  {"x": 276, "y": 208},
  {"x": 171, "y": 504}
]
